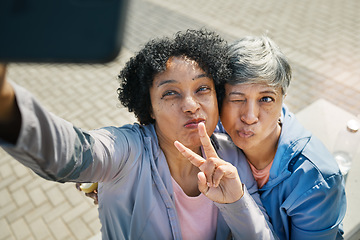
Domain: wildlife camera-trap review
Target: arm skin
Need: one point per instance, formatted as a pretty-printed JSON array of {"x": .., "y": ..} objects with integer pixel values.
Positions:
[{"x": 10, "y": 118}]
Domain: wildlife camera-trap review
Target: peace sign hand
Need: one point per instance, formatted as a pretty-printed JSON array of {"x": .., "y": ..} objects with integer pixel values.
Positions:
[{"x": 218, "y": 180}]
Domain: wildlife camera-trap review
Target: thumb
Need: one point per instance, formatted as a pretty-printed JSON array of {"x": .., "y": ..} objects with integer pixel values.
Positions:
[{"x": 202, "y": 184}]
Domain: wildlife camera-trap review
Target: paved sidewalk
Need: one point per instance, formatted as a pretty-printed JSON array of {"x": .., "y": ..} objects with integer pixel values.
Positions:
[{"x": 321, "y": 39}]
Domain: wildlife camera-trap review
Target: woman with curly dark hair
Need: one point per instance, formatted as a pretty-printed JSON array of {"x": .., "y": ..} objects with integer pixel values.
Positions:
[
  {"x": 147, "y": 188},
  {"x": 206, "y": 49}
]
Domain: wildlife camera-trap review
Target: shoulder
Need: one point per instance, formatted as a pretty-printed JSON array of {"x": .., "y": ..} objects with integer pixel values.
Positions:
[
  {"x": 229, "y": 152},
  {"x": 310, "y": 165},
  {"x": 315, "y": 156},
  {"x": 315, "y": 174},
  {"x": 299, "y": 148},
  {"x": 225, "y": 148}
]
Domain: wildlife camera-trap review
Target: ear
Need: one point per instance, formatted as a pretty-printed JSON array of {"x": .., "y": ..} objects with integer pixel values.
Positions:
[
  {"x": 284, "y": 96},
  {"x": 151, "y": 113}
]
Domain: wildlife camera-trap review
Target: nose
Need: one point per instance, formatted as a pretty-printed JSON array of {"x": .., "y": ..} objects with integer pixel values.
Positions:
[
  {"x": 250, "y": 113},
  {"x": 190, "y": 104}
]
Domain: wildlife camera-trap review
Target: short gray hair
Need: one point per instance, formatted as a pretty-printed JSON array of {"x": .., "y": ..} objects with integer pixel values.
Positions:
[{"x": 259, "y": 60}]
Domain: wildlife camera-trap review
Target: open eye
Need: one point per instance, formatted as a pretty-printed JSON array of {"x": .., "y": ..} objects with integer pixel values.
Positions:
[
  {"x": 203, "y": 89},
  {"x": 168, "y": 93},
  {"x": 267, "y": 99}
]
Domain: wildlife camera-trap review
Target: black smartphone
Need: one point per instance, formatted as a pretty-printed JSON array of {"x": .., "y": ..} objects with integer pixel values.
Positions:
[{"x": 74, "y": 31}]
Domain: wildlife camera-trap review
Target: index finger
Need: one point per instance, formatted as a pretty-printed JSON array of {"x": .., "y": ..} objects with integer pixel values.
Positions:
[
  {"x": 194, "y": 158},
  {"x": 206, "y": 142}
]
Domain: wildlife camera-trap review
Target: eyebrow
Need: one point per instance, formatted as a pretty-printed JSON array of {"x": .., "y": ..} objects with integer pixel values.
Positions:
[
  {"x": 262, "y": 92},
  {"x": 269, "y": 91},
  {"x": 165, "y": 82},
  {"x": 201, "y": 76}
]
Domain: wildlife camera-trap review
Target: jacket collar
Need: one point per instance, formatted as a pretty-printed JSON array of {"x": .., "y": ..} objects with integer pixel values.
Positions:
[{"x": 293, "y": 139}]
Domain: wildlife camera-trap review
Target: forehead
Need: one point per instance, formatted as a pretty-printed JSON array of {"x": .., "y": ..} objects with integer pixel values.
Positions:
[
  {"x": 179, "y": 69},
  {"x": 175, "y": 61}
]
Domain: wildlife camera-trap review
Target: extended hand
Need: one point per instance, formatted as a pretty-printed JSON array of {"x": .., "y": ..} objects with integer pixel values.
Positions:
[{"x": 218, "y": 179}]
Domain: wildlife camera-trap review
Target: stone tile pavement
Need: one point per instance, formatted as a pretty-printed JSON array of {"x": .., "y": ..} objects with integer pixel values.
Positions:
[{"x": 321, "y": 39}]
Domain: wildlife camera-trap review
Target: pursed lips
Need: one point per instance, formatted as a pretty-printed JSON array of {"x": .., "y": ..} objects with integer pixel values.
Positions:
[
  {"x": 193, "y": 123},
  {"x": 245, "y": 133}
]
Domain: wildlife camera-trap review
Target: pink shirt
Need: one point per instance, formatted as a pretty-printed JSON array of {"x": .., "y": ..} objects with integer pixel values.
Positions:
[
  {"x": 261, "y": 176},
  {"x": 197, "y": 215}
]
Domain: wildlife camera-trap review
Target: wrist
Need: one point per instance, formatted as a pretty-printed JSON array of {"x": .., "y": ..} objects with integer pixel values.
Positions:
[{"x": 8, "y": 107}]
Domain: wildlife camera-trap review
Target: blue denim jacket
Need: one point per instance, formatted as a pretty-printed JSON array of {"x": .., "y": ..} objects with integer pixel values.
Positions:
[{"x": 305, "y": 195}]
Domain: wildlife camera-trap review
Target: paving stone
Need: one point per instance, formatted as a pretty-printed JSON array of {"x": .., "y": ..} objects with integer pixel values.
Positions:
[
  {"x": 19, "y": 182},
  {"x": 20, "y": 212},
  {"x": 7, "y": 210},
  {"x": 90, "y": 216},
  {"x": 20, "y": 196},
  {"x": 55, "y": 196},
  {"x": 38, "y": 212},
  {"x": 95, "y": 226},
  {"x": 5, "y": 197},
  {"x": 6, "y": 170},
  {"x": 75, "y": 212},
  {"x": 5, "y": 231},
  {"x": 80, "y": 229},
  {"x": 20, "y": 229},
  {"x": 57, "y": 212},
  {"x": 20, "y": 170},
  {"x": 40, "y": 229},
  {"x": 59, "y": 230},
  {"x": 42, "y": 183},
  {"x": 37, "y": 196}
]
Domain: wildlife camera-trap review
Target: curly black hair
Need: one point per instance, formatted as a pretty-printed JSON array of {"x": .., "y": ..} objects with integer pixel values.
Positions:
[{"x": 205, "y": 47}]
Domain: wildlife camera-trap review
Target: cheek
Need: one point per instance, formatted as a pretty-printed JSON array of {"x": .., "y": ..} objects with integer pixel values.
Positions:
[
  {"x": 209, "y": 104},
  {"x": 214, "y": 106},
  {"x": 227, "y": 115},
  {"x": 270, "y": 119},
  {"x": 157, "y": 109},
  {"x": 274, "y": 113}
]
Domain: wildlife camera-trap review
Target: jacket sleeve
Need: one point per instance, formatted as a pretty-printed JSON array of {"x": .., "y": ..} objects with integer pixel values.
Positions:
[
  {"x": 245, "y": 219},
  {"x": 56, "y": 150},
  {"x": 319, "y": 211},
  {"x": 318, "y": 204}
]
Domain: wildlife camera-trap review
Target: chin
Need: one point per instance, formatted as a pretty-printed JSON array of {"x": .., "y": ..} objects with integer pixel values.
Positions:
[
  {"x": 196, "y": 143},
  {"x": 242, "y": 144}
]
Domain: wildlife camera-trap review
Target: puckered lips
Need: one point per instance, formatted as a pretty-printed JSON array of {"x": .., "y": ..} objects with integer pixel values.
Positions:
[
  {"x": 193, "y": 123},
  {"x": 244, "y": 133}
]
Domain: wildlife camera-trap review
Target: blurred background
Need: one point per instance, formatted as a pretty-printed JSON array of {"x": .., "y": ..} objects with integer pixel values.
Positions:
[{"x": 321, "y": 39}]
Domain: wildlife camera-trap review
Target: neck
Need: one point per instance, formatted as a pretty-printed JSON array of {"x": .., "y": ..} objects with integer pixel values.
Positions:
[{"x": 181, "y": 170}]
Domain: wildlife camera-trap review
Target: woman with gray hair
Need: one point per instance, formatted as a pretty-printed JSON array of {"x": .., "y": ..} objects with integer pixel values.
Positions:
[{"x": 299, "y": 182}]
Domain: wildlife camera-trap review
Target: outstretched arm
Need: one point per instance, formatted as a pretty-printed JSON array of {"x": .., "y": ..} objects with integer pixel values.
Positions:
[
  {"x": 10, "y": 118},
  {"x": 52, "y": 147}
]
